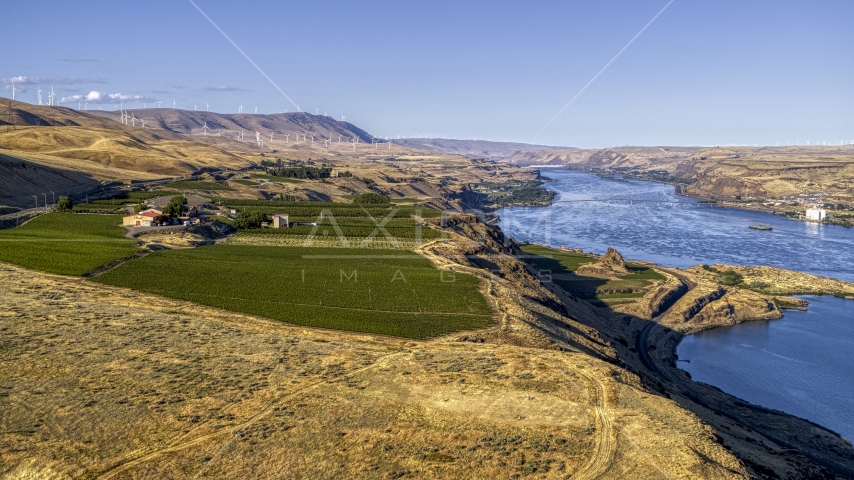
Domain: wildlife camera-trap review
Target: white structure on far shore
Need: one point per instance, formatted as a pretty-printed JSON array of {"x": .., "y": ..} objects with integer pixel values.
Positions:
[{"x": 815, "y": 214}]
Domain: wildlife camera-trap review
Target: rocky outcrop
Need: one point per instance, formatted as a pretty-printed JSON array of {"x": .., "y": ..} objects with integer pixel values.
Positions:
[
  {"x": 611, "y": 265},
  {"x": 657, "y": 301}
]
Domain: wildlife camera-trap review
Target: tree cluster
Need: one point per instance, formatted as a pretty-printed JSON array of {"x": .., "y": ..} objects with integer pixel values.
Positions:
[
  {"x": 175, "y": 205},
  {"x": 308, "y": 173},
  {"x": 249, "y": 219}
]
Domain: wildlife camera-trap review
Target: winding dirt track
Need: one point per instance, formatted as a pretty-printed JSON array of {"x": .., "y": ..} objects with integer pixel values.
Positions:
[
  {"x": 144, "y": 456},
  {"x": 606, "y": 443}
]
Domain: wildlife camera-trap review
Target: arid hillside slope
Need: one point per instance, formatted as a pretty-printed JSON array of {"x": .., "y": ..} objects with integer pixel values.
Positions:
[
  {"x": 229, "y": 125},
  {"x": 106, "y": 382}
]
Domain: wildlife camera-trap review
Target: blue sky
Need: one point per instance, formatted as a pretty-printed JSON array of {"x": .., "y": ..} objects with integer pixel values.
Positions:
[{"x": 703, "y": 73}]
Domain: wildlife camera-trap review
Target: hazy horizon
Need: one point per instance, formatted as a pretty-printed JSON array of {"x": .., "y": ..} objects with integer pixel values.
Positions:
[{"x": 700, "y": 74}]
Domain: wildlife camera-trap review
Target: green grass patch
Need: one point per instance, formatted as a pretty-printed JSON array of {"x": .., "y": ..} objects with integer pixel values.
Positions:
[
  {"x": 407, "y": 200},
  {"x": 65, "y": 243},
  {"x": 555, "y": 260},
  {"x": 198, "y": 185},
  {"x": 391, "y": 292},
  {"x": 641, "y": 273},
  {"x": 563, "y": 265}
]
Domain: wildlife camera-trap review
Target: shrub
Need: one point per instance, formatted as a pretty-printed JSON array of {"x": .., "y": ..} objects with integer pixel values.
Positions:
[
  {"x": 759, "y": 285},
  {"x": 731, "y": 278},
  {"x": 64, "y": 204}
]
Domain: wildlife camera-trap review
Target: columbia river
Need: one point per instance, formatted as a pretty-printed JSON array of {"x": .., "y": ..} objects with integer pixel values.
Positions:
[{"x": 801, "y": 364}]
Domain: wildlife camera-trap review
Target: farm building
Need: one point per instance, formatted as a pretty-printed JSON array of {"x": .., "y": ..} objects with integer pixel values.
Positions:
[
  {"x": 816, "y": 214},
  {"x": 148, "y": 219},
  {"x": 280, "y": 220}
]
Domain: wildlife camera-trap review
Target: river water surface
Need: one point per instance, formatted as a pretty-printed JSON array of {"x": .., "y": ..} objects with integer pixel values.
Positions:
[{"x": 802, "y": 364}]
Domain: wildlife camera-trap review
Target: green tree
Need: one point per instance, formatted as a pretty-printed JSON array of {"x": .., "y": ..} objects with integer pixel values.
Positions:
[
  {"x": 64, "y": 204},
  {"x": 249, "y": 219},
  {"x": 173, "y": 208},
  {"x": 138, "y": 208}
]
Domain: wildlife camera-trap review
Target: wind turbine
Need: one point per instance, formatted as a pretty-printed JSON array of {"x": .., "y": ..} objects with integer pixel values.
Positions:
[
  {"x": 258, "y": 138},
  {"x": 286, "y": 137},
  {"x": 298, "y": 110},
  {"x": 195, "y": 109},
  {"x": 50, "y": 96},
  {"x": 158, "y": 104},
  {"x": 143, "y": 122},
  {"x": 205, "y": 128},
  {"x": 240, "y": 109},
  {"x": 207, "y": 107},
  {"x": 40, "y": 94},
  {"x": 316, "y": 110},
  {"x": 271, "y": 137},
  {"x": 256, "y": 110},
  {"x": 343, "y": 118},
  {"x": 173, "y": 104},
  {"x": 132, "y": 119},
  {"x": 13, "y": 90}
]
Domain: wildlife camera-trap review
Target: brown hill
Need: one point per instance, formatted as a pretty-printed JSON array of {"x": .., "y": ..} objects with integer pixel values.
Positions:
[
  {"x": 140, "y": 151},
  {"x": 229, "y": 125}
]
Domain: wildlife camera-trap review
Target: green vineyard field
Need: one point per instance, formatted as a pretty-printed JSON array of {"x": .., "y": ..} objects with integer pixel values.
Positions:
[
  {"x": 64, "y": 243},
  {"x": 389, "y": 292}
]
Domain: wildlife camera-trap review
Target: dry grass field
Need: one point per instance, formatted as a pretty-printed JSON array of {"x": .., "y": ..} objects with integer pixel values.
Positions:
[{"x": 103, "y": 382}]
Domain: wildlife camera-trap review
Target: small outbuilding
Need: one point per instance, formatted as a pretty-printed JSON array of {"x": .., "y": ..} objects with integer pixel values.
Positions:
[
  {"x": 280, "y": 220},
  {"x": 148, "y": 219}
]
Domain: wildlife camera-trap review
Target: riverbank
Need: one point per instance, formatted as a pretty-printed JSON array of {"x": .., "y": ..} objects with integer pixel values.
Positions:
[
  {"x": 694, "y": 300},
  {"x": 787, "y": 210},
  {"x": 775, "y": 364}
]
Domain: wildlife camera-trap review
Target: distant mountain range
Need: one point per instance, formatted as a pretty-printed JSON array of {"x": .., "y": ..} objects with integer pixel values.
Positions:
[
  {"x": 189, "y": 122},
  {"x": 474, "y": 148}
]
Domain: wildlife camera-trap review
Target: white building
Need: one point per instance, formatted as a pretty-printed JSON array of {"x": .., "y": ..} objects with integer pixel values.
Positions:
[{"x": 815, "y": 214}]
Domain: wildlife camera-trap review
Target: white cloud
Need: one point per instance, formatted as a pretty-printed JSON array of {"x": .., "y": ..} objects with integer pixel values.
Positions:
[
  {"x": 22, "y": 80},
  {"x": 225, "y": 89},
  {"x": 99, "y": 97}
]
